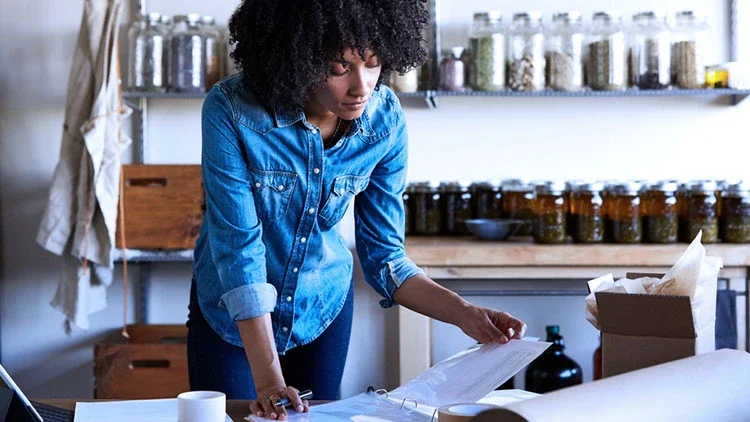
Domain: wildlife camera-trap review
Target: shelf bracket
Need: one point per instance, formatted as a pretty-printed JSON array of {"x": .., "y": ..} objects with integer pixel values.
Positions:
[{"x": 736, "y": 99}]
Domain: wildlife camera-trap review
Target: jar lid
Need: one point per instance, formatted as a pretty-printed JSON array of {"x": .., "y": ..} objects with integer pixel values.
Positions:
[
  {"x": 515, "y": 185},
  {"x": 180, "y": 18},
  {"x": 194, "y": 17},
  {"x": 626, "y": 188},
  {"x": 663, "y": 186},
  {"x": 650, "y": 15},
  {"x": 608, "y": 15},
  {"x": 480, "y": 16},
  {"x": 527, "y": 16},
  {"x": 495, "y": 15},
  {"x": 736, "y": 188},
  {"x": 154, "y": 18},
  {"x": 208, "y": 20},
  {"x": 166, "y": 19},
  {"x": 551, "y": 187},
  {"x": 703, "y": 186},
  {"x": 572, "y": 16},
  {"x": 457, "y": 52},
  {"x": 590, "y": 187}
]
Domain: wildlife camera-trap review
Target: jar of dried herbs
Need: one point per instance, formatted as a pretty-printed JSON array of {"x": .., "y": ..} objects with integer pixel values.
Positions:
[
  {"x": 735, "y": 218},
  {"x": 427, "y": 211},
  {"x": 518, "y": 199},
  {"x": 564, "y": 56},
  {"x": 526, "y": 62},
  {"x": 187, "y": 55},
  {"x": 607, "y": 56},
  {"x": 455, "y": 207},
  {"x": 623, "y": 207},
  {"x": 702, "y": 212},
  {"x": 660, "y": 221},
  {"x": 691, "y": 41},
  {"x": 587, "y": 211},
  {"x": 148, "y": 41},
  {"x": 487, "y": 45},
  {"x": 551, "y": 213},
  {"x": 409, "y": 204},
  {"x": 651, "y": 51},
  {"x": 487, "y": 200}
]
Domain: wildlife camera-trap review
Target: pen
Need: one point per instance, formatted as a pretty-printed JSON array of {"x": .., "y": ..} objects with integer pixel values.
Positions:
[{"x": 284, "y": 401}]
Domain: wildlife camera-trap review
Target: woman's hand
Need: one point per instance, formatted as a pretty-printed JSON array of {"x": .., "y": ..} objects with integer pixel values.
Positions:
[
  {"x": 263, "y": 407},
  {"x": 490, "y": 326}
]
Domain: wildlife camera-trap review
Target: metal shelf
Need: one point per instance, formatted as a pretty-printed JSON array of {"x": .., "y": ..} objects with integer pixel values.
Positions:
[
  {"x": 131, "y": 95},
  {"x": 139, "y": 256}
]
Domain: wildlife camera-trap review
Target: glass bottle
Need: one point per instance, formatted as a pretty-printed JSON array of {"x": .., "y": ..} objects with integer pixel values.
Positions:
[
  {"x": 526, "y": 63},
  {"x": 427, "y": 215},
  {"x": 187, "y": 57},
  {"x": 147, "y": 40},
  {"x": 487, "y": 200},
  {"x": 214, "y": 53},
  {"x": 623, "y": 205},
  {"x": 702, "y": 212},
  {"x": 607, "y": 66},
  {"x": 598, "y": 361},
  {"x": 452, "y": 71},
  {"x": 735, "y": 218},
  {"x": 660, "y": 213},
  {"x": 518, "y": 199},
  {"x": 409, "y": 203},
  {"x": 553, "y": 370},
  {"x": 405, "y": 82},
  {"x": 586, "y": 211},
  {"x": 487, "y": 45},
  {"x": 455, "y": 207},
  {"x": 551, "y": 212},
  {"x": 651, "y": 51},
  {"x": 564, "y": 56},
  {"x": 691, "y": 41}
]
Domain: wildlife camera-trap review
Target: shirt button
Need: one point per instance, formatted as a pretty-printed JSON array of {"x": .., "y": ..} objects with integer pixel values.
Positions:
[
  {"x": 288, "y": 298},
  {"x": 295, "y": 269},
  {"x": 303, "y": 240},
  {"x": 314, "y": 131},
  {"x": 316, "y": 170},
  {"x": 281, "y": 187},
  {"x": 257, "y": 185},
  {"x": 286, "y": 329},
  {"x": 342, "y": 191},
  {"x": 311, "y": 210}
]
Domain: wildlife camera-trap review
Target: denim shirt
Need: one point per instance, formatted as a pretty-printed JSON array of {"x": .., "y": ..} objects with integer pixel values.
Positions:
[{"x": 274, "y": 197}]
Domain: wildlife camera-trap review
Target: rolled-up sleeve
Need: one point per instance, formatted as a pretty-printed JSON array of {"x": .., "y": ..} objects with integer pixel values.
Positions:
[
  {"x": 234, "y": 229},
  {"x": 379, "y": 220}
]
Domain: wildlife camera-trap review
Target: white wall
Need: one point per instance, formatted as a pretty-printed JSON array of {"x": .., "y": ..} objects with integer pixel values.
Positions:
[{"x": 465, "y": 137}]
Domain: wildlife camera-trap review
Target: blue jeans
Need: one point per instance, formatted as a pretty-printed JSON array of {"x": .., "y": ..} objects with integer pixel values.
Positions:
[{"x": 216, "y": 365}]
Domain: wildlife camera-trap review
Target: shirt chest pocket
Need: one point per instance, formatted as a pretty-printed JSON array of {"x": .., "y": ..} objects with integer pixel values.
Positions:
[
  {"x": 344, "y": 189},
  {"x": 272, "y": 191}
]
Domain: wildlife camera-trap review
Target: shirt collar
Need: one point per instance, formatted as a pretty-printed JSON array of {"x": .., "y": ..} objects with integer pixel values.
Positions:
[{"x": 286, "y": 118}]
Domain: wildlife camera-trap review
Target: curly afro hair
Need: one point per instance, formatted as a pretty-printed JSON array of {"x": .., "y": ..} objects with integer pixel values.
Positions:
[{"x": 284, "y": 47}]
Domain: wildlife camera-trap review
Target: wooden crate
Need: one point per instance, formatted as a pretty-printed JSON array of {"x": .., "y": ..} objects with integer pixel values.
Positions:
[
  {"x": 163, "y": 206},
  {"x": 151, "y": 365}
]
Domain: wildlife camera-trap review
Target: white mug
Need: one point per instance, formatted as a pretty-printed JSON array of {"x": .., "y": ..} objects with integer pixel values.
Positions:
[{"x": 201, "y": 406}]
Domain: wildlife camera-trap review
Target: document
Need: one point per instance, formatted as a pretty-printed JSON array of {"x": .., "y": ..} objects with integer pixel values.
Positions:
[{"x": 162, "y": 410}]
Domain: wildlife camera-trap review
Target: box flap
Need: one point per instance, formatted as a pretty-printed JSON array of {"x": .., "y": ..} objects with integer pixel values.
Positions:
[{"x": 645, "y": 315}]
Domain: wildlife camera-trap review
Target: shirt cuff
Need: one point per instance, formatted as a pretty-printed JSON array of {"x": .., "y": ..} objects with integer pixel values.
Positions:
[
  {"x": 249, "y": 301},
  {"x": 395, "y": 273}
]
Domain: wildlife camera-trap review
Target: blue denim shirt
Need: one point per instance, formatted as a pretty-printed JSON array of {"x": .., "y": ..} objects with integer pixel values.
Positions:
[{"x": 274, "y": 197}]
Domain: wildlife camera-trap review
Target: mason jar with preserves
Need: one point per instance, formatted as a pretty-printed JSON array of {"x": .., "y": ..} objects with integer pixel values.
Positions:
[
  {"x": 518, "y": 198},
  {"x": 455, "y": 207},
  {"x": 427, "y": 216},
  {"x": 607, "y": 67},
  {"x": 526, "y": 62},
  {"x": 587, "y": 211},
  {"x": 409, "y": 202},
  {"x": 565, "y": 59},
  {"x": 551, "y": 213},
  {"x": 702, "y": 213},
  {"x": 651, "y": 51},
  {"x": 487, "y": 45},
  {"x": 735, "y": 219},
  {"x": 660, "y": 215},
  {"x": 487, "y": 200},
  {"x": 623, "y": 224},
  {"x": 690, "y": 48}
]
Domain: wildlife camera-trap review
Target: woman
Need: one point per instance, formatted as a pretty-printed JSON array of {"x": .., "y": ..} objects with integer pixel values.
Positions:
[{"x": 287, "y": 144}]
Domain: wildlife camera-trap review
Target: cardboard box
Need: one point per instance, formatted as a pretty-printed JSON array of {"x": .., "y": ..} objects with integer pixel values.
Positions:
[{"x": 639, "y": 331}]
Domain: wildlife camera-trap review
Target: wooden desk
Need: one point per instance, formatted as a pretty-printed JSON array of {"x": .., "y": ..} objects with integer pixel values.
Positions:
[{"x": 459, "y": 259}]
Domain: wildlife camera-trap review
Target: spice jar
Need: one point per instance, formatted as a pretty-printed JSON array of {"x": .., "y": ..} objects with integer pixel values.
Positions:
[
  {"x": 587, "y": 212},
  {"x": 660, "y": 214},
  {"x": 518, "y": 198},
  {"x": 405, "y": 82},
  {"x": 455, "y": 207},
  {"x": 692, "y": 38},
  {"x": 607, "y": 67},
  {"x": 651, "y": 51},
  {"x": 623, "y": 207},
  {"x": 487, "y": 45},
  {"x": 565, "y": 59},
  {"x": 551, "y": 212},
  {"x": 147, "y": 39},
  {"x": 702, "y": 212},
  {"x": 187, "y": 56},
  {"x": 427, "y": 215},
  {"x": 452, "y": 71},
  {"x": 526, "y": 63},
  {"x": 487, "y": 200},
  {"x": 409, "y": 204},
  {"x": 213, "y": 45},
  {"x": 735, "y": 218}
]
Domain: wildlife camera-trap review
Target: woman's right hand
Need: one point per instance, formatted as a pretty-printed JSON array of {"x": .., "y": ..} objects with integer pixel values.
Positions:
[{"x": 263, "y": 406}]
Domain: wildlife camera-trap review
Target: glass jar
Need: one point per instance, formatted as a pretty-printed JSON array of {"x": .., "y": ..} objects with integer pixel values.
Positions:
[
  {"x": 452, "y": 71},
  {"x": 214, "y": 62},
  {"x": 571, "y": 186},
  {"x": 623, "y": 207},
  {"x": 660, "y": 215},
  {"x": 405, "y": 82},
  {"x": 487, "y": 45},
  {"x": 147, "y": 39},
  {"x": 702, "y": 212},
  {"x": 455, "y": 207},
  {"x": 427, "y": 215},
  {"x": 607, "y": 66},
  {"x": 565, "y": 59},
  {"x": 187, "y": 56},
  {"x": 551, "y": 212},
  {"x": 735, "y": 219},
  {"x": 526, "y": 63},
  {"x": 518, "y": 199},
  {"x": 651, "y": 51},
  {"x": 409, "y": 203},
  {"x": 691, "y": 41},
  {"x": 487, "y": 200},
  {"x": 587, "y": 213}
]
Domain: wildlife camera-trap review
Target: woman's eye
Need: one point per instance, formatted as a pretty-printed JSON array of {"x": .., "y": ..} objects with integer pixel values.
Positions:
[{"x": 339, "y": 69}]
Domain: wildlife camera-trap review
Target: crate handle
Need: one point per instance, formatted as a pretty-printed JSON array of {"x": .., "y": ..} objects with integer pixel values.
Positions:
[
  {"x": 147, "y": 182},
  {"x": 173, "y": 340},
  {"x": 149, "y": 363}
]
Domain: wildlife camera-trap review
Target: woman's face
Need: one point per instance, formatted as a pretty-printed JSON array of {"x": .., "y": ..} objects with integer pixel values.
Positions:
[{"x": 349, "y": 86}]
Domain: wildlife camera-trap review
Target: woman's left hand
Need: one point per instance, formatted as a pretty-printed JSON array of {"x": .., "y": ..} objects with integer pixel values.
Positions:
[{"x": 490, "y": 326}]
